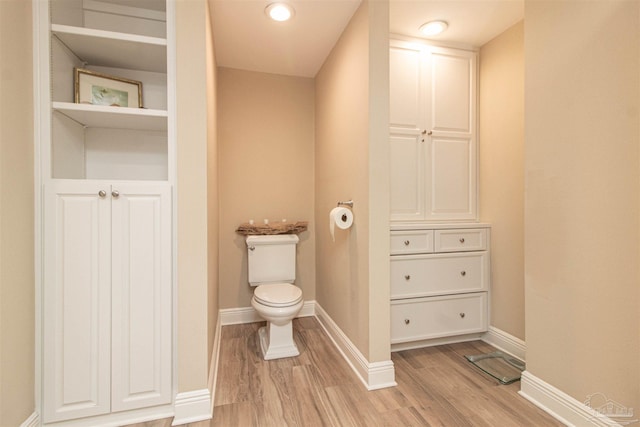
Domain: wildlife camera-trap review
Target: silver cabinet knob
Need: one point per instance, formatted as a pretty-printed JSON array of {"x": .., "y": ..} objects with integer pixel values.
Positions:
[
  {"x": 407, "y": 277},
  {"x": 462, "y": 315},
  {"x": 430, "y": 132},
  {"x": 115, "y": 194},
  {"x": 462, "y": 240},
  {"x": 407, "y": 321},
  {"x": 463, "y": 273},
  {"x": 406, "y": 243},
  {"x": 102, "y": 193},
  {"x": 252, "y": 248}
]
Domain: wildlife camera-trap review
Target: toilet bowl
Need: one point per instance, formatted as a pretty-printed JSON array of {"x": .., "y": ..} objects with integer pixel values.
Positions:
[
  {"x": 278, "y": 304},
  {"x": 271, "y": 264}
]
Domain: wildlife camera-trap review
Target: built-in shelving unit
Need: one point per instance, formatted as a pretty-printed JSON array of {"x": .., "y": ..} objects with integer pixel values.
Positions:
[
  {"x": 440, "y": 253},
  {"x": 106, "y": 183},
  {"x": 104, "y": 142}
]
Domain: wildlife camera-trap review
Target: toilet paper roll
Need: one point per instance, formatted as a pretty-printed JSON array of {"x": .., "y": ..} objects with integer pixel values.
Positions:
[{"x": 340, "y": 217}]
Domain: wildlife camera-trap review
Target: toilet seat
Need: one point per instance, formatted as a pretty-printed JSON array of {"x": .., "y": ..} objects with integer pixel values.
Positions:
[{"x": 278, "y": 295}]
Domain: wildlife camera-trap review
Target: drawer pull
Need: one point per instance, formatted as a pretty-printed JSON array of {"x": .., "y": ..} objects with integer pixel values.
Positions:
[
  {"x": 462, "y": 315},
  {"x": 462, "y": 240},
  {"x": 407, "y": 321},
  {"x": 406, "y": 243},
  {"x": 463, "y": 273},
  {"x": 407, "y": 277}
]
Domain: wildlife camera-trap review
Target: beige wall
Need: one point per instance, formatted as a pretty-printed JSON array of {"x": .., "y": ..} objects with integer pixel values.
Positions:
[
  {"x": 212, "y": 182},
  {"x": 502, "y": 173},
  {"x": 582, "y": 206},
  {"x": 265, "y": 134},
  {"x": 350, "y": 160},
  {"x": 379, "y": 191},
  {"x": 192, "y": 234},
  {"x": 16, "y": 214}
]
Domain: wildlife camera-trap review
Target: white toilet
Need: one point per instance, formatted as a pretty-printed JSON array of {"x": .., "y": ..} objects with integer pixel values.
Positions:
[{"x": 272, "y": 269}]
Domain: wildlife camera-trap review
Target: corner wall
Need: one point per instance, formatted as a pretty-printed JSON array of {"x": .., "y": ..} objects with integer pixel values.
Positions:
[
  {"x": 192, "y": 194},
  {"x": 212, "y": 185},
  {"x": 502, "y": 173},
  {"x": 351, "y": 161},
  {"x": 582, "y": 199},
  {"x": 265, "y": 134},
  {"x": 17, "y": 299}
]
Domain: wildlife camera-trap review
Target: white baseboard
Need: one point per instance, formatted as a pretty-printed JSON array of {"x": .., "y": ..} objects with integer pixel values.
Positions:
[
  {"x": 506, "y": 342},
  {"x": 560, "y": 405},
  {"x": 374, "y": 375},
  {"x": 215, "y": 358},
  {"x": 236, "y": 316},
  {"x": 32, "y": 421},
  {"x": 192, "y": 406}
]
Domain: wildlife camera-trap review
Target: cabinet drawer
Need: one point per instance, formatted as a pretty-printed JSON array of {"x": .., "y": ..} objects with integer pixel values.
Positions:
[
  {"x": 436, "y": 274},
  {"x": 411, "y": 242},
  {"x": 472, "y": 239},
  {"x": 426, "y": 318}
]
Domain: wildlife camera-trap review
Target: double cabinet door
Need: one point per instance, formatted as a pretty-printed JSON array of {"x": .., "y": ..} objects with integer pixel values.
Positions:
[
  {"x": 433, "y": 139},
  {"x": 106, "y": 297}
]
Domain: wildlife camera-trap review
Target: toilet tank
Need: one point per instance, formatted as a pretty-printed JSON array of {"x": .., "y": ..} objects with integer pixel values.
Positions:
[{"x": 271, "y": 259}]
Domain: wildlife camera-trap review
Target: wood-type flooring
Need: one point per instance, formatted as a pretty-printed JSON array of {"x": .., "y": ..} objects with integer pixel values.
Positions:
[{"x": 437, "y": 386}]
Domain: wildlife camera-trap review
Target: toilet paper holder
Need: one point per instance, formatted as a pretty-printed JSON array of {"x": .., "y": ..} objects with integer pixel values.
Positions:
[{"x": 348, "y": 203}]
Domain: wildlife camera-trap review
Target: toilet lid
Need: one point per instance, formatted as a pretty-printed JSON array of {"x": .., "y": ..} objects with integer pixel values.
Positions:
[{"x": 278, "y": 294}]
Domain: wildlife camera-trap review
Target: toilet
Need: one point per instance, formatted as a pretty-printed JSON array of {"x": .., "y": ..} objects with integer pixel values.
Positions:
[{"x": 272, "y": 270}]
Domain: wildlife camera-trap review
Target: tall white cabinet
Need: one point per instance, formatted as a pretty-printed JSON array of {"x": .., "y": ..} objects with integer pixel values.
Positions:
[
  {"x": 440, "y": 253},
  {"x": 433, "y": 137},
  {"x": 107, "y": 179}
]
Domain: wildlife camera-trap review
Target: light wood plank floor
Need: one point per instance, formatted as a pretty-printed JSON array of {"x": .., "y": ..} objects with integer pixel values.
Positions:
[{"x": 436, "y": 387}]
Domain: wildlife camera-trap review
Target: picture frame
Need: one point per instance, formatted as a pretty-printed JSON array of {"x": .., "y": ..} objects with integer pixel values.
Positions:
[{"x": 92, "y": 87}]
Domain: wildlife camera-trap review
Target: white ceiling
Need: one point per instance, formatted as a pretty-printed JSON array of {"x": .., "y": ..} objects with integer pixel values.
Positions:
[{"x": 246, "y": 39}]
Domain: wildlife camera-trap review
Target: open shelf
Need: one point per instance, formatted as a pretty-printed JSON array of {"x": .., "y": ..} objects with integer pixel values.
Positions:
[
  {"x": 113, "y": 117},
  {"x": 112, "y": 49}
]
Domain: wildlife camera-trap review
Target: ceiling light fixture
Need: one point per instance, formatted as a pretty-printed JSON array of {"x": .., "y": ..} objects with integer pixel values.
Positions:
[
  {"x": 280, "y": 11},
  {"x": 433, "y": 28}
]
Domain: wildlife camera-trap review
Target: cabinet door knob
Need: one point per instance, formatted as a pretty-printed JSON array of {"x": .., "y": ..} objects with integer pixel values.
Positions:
[
  {"x": 430, "y": 132},
  {"x": 407, "y": 277},
  {"x": 462, "y": 240},
  {"x": 407, "y": 321},
  {"x": 462, "y": 315},
  {"x": 102, "y": 193},
  {"x": 463, "y": 273},
  {"x": 115, "y": 194},
  {"x": 407, "y": 242}
]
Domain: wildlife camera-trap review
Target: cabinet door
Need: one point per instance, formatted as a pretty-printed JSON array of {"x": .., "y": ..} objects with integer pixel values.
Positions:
[
  {"x": 451, "y": 141},
  {"x": 141, "y": 293},
  {"x": 451, "y": 192},
  {"x": 407, "y": 102},
  {"x": 407, "y": 176},
  {"x": 76, "y": 300}
]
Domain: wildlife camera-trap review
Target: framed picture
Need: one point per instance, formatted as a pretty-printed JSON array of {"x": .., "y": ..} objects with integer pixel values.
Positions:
[{"x": 96, "y": 88}]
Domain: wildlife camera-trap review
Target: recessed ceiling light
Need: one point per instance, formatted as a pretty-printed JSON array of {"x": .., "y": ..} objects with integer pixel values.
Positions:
[
  {"x": 280, "y": 11},
  {"x": 433, "y": 28}
]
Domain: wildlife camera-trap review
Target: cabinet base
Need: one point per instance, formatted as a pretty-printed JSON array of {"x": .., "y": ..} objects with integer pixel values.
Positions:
[{"x": 435, "y": 341}]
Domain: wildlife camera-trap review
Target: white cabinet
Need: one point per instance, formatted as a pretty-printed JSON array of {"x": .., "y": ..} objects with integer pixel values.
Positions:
[
  {"x": 440, "y": 281},
  {"x": 107, "y": 176},
  {"x": 433, "y": 137},
  {"x": 107, "y": 293}
]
